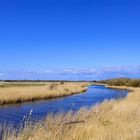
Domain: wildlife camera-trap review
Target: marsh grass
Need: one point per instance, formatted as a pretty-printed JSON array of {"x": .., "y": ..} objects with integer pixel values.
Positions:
[
  {"x": 22, "y": 92},
  {"x": 111, "y": 120}
]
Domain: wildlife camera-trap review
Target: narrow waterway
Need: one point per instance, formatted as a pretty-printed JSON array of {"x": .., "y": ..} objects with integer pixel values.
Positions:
[{"x": 15, "y": 114}]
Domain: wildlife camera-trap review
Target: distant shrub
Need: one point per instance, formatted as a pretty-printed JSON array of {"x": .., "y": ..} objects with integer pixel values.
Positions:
[
  {"x": 134, "y": 83},
  {"x": 118, "y": 82},
  {"x": 123, "y": 82},
  {"x": 62, "y": 83},
  {"x": 53, "y": 86}
]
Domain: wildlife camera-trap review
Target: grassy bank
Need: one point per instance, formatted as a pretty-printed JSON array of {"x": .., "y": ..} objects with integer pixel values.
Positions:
[
  {"x": 112, "y": 120},
  {"x": 17, "y": 92}
]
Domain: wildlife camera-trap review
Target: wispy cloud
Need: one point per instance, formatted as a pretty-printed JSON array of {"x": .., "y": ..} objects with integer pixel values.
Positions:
[
  {"x": 103, "y": 72},
  {"x": 2, "y": 74}
]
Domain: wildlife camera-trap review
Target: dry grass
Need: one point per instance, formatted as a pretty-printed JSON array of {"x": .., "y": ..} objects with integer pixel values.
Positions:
[
  {"x": 21, "y": 92},
  {"x": 112, "y": 120}
]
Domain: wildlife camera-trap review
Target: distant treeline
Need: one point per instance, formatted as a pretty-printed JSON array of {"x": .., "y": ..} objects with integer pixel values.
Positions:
[
  {"x": 43, "y": 81},
  {"x": 122, "y": 82}
]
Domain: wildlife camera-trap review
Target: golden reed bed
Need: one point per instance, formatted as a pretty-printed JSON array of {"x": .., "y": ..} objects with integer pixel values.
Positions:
[
  {"x": 21, "y": 92},
  {"x": 111, "y": 120}
]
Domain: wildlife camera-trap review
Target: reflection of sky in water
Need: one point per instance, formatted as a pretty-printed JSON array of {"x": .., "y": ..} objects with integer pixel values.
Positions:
[{"x": 95, "y": 94}]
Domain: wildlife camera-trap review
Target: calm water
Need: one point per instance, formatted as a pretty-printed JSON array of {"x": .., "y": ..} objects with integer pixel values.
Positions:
[{"x": 96, "y": 94}]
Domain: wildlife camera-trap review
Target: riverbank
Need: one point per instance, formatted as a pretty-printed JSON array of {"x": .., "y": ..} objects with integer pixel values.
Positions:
[
  {"x": 111, "y": 120},
  {"x": 30, "y": 91}
]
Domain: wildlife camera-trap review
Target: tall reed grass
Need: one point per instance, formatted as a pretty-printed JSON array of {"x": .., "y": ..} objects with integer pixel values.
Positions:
[{"x": 111, "y": 120}]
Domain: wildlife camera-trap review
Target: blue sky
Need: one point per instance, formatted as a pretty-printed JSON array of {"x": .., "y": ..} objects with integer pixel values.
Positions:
[{"x": 69, "y": 39}]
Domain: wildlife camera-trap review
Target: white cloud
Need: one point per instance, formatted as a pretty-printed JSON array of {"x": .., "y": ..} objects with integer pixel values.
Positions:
[
  {"x": 104, "y": 72},
  {"x": 2, "y": 74}
]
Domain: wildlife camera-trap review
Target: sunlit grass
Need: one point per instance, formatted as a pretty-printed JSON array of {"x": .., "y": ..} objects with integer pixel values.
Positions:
[
  {"x": 21, "y": 92},
  {"x": 112, "y": 120}
]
